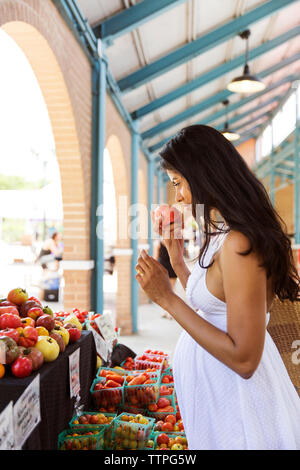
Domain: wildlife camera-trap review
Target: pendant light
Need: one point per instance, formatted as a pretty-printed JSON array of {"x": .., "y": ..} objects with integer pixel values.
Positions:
[
  {"x": 246, "y": 83},
  {"x": 229, "y": 134}
]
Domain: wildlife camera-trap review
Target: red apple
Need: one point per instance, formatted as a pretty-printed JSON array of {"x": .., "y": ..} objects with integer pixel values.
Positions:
[
  {"x": 34, "y": 312},
  {"x": 17, "y": 296},
  {"x": 46, "y": 321}
]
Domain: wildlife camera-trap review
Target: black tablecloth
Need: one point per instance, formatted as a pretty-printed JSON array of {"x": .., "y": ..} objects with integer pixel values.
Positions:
[{"x": 56, "y": 405}]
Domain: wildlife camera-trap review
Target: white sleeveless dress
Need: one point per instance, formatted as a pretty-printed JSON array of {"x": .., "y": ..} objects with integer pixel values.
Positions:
[{"x": 220, "y": 409}]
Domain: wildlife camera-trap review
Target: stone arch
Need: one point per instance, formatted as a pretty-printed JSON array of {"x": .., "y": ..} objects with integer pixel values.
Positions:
[{"x": 64, "y": 75}]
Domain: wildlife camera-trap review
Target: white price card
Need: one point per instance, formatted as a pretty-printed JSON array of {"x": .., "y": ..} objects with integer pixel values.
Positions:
[
  {"x": 7, "y": 438},
  {"x": 101, "y": 346},
  {"x": 27, "y": 413},
  {"x": 2, "y": 353},
  {"x": 106, "y": 327},
  {"x": 74, "y": 373}
]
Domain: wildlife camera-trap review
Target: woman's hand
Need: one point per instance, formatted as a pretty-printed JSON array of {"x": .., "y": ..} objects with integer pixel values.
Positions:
[
  {"x": 172, "y": 236},
  {"x": 154, "y": 279}
]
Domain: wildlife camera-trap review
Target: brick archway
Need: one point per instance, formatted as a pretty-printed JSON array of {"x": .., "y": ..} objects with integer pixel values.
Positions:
[{"x": 64, "y": 75}]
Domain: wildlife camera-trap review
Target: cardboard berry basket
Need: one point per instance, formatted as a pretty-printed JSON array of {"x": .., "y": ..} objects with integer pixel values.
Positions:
[
  {"x": 107, "y": 396},
  {"x": 75, "y": 439},
  {"x": 129, "y": 408},
  {"x": 165, "y": 374},
  {"x": 122, "y": 373},
  {"x": 75, "y": 424},
  {"x": 131, "y": 435},
  {"x": 140, "y": 395},
  {"x": 108, "y": 427},
  {"x": 149, "y": 361}
]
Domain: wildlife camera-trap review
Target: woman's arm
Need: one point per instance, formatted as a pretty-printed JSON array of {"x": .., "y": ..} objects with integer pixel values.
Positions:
[
  {"x": 245, "y": 288},
  {"x": 182, "y": 272}
]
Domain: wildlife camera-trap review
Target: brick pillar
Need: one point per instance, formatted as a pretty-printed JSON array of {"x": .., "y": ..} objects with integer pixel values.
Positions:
[{"x": 78, "y": 281}]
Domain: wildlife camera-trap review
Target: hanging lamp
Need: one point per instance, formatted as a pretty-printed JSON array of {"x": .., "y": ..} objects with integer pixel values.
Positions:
[
  {"x": 246, "y": 83},
  {"x": 227, "y": 132}
]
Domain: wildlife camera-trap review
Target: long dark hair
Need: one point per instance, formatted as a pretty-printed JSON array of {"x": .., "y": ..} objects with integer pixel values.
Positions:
[{"x": 219, "y": 178}]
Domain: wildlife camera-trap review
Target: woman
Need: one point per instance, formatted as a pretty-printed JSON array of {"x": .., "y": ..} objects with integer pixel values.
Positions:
[
  {"x": 162, "y": 256},
  {"x": 232, "y": 387}
]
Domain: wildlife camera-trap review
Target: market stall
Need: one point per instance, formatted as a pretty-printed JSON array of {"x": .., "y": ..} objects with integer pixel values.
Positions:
[
  {"x": 66, "y": 382},
  {"x": 56, "y": 404}
]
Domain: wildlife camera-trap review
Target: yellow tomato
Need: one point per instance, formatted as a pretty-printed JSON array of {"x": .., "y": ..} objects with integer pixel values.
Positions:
[
  {"x": 42, "y": 331},
  {"x": 63, "y": 333},
  {"x": 2, "y": 371}
]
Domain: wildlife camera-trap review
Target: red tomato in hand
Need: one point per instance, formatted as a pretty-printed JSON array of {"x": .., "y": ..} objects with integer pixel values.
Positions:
[{"x": 22, "y": 367}]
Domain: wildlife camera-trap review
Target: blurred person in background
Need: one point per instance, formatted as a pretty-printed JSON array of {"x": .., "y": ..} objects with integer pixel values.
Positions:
[{"x": 51, "y": 250}]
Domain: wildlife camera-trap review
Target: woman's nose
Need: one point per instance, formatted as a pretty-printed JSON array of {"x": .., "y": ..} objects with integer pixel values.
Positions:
[{"x": 178, "y": 197}]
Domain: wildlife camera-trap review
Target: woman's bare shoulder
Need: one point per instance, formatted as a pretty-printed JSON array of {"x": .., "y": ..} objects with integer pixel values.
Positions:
[{"x": 236, "y": 241}]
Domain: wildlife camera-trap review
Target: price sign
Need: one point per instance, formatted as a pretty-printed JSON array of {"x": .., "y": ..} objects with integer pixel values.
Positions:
[
  {"x": 7, "y": 439},
  {"x": 101, "y": 346},
  {"x": 105, "y": 325},
  {"x": 27, "y": 413},
  {"x": 74, "y": 376}
]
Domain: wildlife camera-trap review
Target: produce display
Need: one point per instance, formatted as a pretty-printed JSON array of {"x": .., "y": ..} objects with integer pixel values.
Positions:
[
  {"x": 32, "y": 334},
  {"x": 121, "y": 405},
  {"x": 134, "y": 403}
]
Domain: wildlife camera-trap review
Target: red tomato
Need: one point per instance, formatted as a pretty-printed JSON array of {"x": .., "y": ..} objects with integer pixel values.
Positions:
[
  {"x": 9, "y": 320},
  {"x": 27, "y": 321},
  {"x": 74, "y": 333},
  {"x": 162, "y": 439},
  {"x": 167, "y": 427},
  {"x": 22, "y": 367},
  {"x": 170, "y": 419},
  {"x": 12, "y": 333},
  {"x": 9, "y": 309},
  {"x": 28, "y": 336},
  {"x": 35, "y": 300}
]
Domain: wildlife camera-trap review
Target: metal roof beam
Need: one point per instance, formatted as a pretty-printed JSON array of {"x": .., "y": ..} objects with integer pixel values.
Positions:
[
  {"x": 239, "y": 117},
  {"x": 250, "y": 121},
  {"x": 202, "y": 44},
  {"x": 236, "y": 118},
  {"x": 217, "y": 72},
  {"x": 211, "y": 101},
  {"x": 131, "y": 18}
]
